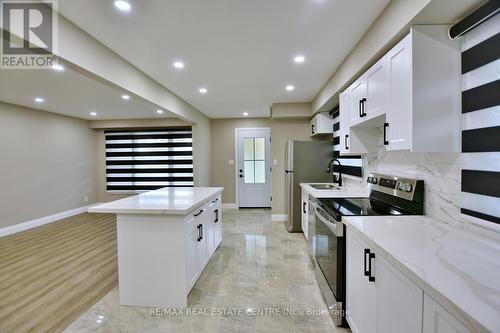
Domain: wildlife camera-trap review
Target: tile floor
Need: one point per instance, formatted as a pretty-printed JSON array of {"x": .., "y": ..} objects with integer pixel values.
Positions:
[{"x": 259, "y": 267}]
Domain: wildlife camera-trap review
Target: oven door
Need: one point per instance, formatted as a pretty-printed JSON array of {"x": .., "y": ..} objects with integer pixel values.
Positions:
[{"x": 329, "y": 254}]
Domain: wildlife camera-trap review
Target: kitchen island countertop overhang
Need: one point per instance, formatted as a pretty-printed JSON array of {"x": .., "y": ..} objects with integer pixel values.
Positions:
[{"x": 167, "y": 200}]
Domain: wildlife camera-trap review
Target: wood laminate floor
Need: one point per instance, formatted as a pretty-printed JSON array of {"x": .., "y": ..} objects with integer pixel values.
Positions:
[{"x": 52, "y": 274}]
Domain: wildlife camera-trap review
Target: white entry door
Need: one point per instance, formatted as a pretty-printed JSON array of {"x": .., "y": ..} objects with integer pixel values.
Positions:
[{"x": 253, "y": 167}]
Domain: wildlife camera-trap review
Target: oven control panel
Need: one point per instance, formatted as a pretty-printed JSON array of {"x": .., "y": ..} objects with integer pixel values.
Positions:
[{"x": 397, "y": 186}]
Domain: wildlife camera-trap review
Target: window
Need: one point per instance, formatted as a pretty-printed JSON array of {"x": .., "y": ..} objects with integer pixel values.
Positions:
[
  {"x": 149, "y": 159},
  {"x": 254, "y": 156}
]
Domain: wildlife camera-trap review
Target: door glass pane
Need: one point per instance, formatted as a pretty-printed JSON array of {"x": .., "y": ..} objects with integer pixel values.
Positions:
[
  {"x": 248, "y": 150},
  {"x": 260, "y": 149},
  {"x": 260, "y": 172},
  {"x": 249, "y": 172}
]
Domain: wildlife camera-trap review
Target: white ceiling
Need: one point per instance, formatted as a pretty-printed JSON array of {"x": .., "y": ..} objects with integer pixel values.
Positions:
[
  {"x": 71, "y": 93},
  {"x": 240, "y": 50}
]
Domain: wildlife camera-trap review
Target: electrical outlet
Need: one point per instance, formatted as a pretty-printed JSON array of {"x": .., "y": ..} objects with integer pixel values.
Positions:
[
  {"x": 231, "y": 162},
  {"x": 86, "y": 199}
]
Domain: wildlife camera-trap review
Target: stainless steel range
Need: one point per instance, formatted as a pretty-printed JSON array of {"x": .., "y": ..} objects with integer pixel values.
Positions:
[{"x": 389, "y": 195}]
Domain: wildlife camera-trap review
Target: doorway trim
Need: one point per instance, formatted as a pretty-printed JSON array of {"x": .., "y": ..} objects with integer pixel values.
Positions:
[{"x": 236, "y": 166}]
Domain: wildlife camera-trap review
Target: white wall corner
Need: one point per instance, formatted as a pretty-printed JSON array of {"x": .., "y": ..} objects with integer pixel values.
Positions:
[
  {"x": 227, "y": 206},
  {"x": 12, "y": 229},
  {"x": 279, "y": 217}
]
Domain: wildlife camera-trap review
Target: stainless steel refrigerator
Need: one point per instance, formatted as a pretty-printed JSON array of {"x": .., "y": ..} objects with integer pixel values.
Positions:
[{"x": 305, "y": 162}]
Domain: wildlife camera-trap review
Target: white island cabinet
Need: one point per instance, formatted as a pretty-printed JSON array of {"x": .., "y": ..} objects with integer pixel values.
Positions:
[{"x": 165, "y": 239}]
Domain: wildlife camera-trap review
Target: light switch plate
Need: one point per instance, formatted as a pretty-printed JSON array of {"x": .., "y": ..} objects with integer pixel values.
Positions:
[
  {"x": 231, "y": 162},
  {"x": 275, "y": 162}
]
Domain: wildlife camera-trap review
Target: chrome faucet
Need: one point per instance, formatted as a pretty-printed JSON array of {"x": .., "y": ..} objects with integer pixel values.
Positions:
[{"x": 331, "y": 170}]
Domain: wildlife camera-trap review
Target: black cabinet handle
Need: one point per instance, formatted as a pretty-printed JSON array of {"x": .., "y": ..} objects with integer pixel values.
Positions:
[
  {"x": 363, "y": 113},
  {"x": 201, "y": 211},
  {"x": 215, "y": 200},
  {"x": 366, "y": 271},
  {"x": 386, "y": 141},
  {"x": 370, "y": 277},
  {"x": 216, "y": 216},
  {"x": 201, "y": 227},
  {"x": 304, "y": 208},
  {"x": 312, "y": 129},
  {"x": 345, "y": 141},
  {"x": 359, "y": 108},
  {"x": 199, "y": 232}
]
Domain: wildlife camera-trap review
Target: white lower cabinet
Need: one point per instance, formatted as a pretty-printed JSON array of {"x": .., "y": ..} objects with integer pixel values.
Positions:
[
  {"x": 203, "y": 236},
  {"x": 379, "y": 298},
  {"x": 360, "y": 292},
  {"x": 438, "y": 320}
]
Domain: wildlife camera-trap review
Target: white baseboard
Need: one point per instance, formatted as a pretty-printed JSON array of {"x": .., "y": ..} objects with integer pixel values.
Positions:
[
  {"x": 12, "y": 229},
  {"x": 279, "y": 217},
  {"x": 229, "y": 206}
]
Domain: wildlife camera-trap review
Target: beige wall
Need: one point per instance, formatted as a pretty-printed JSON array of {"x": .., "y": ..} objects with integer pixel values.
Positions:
[
  {"x": 223, "y": 131},
  {"x": 47, "y": 164}
]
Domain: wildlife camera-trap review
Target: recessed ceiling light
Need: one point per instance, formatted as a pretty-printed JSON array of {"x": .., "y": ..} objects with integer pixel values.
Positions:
[
  {"x": 203, "y": 90},
  {"x": 39, "y": 100},
  {"x": 93, "y": 114},
  {"x": 123, "y": 5},
  {"x": 290, "y": 87},
  {"x": 179, "y": 64},
  {"x": 58, "y": 67},
  {"x": 299, "y": 59},
  {"x": 126, "y": 97},
  {"x": 245, "y": 114},
  {"x": 159, "y": 111}
]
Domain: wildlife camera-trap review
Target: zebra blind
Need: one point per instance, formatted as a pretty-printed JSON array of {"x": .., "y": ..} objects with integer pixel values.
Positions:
[
  {"x": 351, "y": 165},
  {"x": 481, "y": 121},
  {"x": 149, "y": 159}
]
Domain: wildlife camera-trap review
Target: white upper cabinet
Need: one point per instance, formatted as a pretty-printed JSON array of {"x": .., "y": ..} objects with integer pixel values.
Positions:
[
  {"x": 375, "y": 102},
  {"x": 368, "y": 95},
  {"x": 397, "y": 129},
  {"x": 357, "y": 96},
  {"x": 321, "y": 123},
  {"x": 354, "y": 141},
  {"x": 413, "y": 93}
]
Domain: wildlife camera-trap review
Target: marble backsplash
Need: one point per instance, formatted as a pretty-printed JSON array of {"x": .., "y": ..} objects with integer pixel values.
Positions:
[{"x": 439, "y": 171}]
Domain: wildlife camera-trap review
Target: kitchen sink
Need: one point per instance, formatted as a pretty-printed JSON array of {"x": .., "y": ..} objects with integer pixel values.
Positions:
[{"x": 325, "y": 187}]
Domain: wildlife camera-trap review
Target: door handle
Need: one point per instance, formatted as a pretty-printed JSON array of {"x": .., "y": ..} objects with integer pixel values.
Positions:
[
  {"x": 345, "y": 141},
  {"x": 363, "y": 113},
  {"x": 216, "y": 216},
  {"x": 386, "y": 140},
  {"x": 312, "y": 129},
  {"x": 370, "y": 257},
  {"x": 366, "y": 271},
  {"x": 199, "y": 232},
  {"x": 359, "y": 108},
  {"x": 304, "y": 208},
  {"x": 201, "y": 227},
  {"x": 197, "y": 214}
]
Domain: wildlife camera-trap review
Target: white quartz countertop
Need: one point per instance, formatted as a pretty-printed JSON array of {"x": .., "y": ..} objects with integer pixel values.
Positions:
[
  {"x": 457, "y": 267},
  {"x": 343, "y": 192},
  {"x": 167, "y": 200}
]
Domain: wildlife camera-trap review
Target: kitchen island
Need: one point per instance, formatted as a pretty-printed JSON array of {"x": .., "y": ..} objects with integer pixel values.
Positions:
[{"x": 165, "y": 239}]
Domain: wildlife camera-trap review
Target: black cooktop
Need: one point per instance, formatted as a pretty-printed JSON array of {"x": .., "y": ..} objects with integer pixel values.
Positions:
[{"x": 359, "y": 207}]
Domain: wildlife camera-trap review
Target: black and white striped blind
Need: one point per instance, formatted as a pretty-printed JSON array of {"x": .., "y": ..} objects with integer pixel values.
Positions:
[
  {"x": 149, "y": 159},
  {"x": 351, "y": 165},
  {"x": 481, "y": 121}
]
